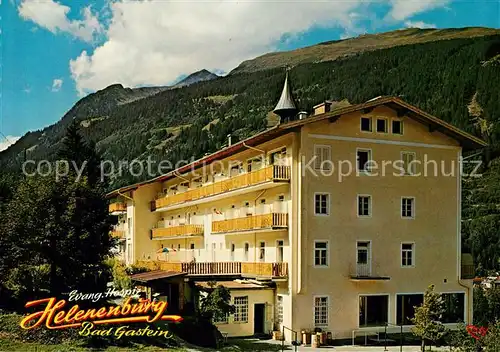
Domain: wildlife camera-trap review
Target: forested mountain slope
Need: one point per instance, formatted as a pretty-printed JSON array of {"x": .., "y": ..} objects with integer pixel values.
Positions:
[
  {"x": 456, "y": 80},
  {"x": 335, "y": 49}
]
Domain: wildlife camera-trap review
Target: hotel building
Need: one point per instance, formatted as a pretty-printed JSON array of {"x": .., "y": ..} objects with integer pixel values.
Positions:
[{"x": 304, "y": 225}]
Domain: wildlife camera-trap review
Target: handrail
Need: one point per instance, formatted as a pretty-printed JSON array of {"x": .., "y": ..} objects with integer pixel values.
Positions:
[
  {"x": 294, "y": 342},
  {"x": 400, "y": 336}
]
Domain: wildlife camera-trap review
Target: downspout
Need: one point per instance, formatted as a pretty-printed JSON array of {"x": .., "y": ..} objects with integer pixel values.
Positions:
[
  {"x": 125, "y": 196},
  {"x": 263, "y": 152},
  {"x": 459, "y": 234}
]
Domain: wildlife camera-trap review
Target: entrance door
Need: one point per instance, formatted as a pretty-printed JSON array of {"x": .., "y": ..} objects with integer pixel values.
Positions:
[{"x": 258, "y": 318}]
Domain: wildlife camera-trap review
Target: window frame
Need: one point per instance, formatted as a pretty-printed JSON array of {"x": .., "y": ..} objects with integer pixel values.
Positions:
[
  {"x": 397, "y": 295},
  {"x": 413, "y": 170},
  {"x": 327, "y": 249},
  {"x": 412, "y": 254},
  {"x": 322, "y": 325},
  {"x": 388, "y": 308},
  {"x": 370, "y": 159},
  {"x": 329, "y": 158},
  {"x": 239, "y": 316},
  {"x": 413, "y": 208},
  {"x": 328, "y": 210},
  {"x": 386, "y": 120},
  {"x": 401, "y": 127},
  {"x": 262, "y": 250},
  {"x": 279, "y": 309},
  {"x": 282, "y": 251},
  {"x": 370, "y": 206},
  {"x": 361, "y": 124}
]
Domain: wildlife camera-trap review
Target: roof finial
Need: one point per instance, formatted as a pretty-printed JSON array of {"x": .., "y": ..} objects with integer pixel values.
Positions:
[{"x": 286, "y": 108}]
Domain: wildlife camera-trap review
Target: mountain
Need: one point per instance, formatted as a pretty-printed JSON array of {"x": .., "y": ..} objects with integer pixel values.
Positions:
[
  {"x": 444, "y": 77},
  {"x": 199, "y": 76},
  {"x": 335, "y": 49},
  {"x": 452, "y": 74}
]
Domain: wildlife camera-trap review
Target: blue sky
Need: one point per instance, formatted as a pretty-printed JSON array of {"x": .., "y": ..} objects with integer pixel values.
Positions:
[{"x": 55, "y": 52}]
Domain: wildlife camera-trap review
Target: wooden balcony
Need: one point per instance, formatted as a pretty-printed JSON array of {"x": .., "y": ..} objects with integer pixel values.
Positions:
[
  {"x": 254, "y": 222},
  {"x": 117, "y": 207},
  {"x": 177, "y": 231},
  {"x": 270, "y": 270},
  {"x": 118, "y": 233},
  {"x": 468, "y": 272},
  {"x": 277, "y": 173},
  {"x": 257, "y": 270}
]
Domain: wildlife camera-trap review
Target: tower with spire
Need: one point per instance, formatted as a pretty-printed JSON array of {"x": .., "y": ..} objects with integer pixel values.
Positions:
[{"x": 286, "y": 108}]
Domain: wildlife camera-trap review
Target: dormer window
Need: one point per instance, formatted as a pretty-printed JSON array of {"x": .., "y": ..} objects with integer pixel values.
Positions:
[
  {"x": 382, "y": 125},
  {"x": 366, "y": 124},
  {"x": 397, "y": 127}
]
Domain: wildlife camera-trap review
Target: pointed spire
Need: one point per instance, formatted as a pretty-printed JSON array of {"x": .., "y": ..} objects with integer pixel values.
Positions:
[{"x": 286, "y": 108}]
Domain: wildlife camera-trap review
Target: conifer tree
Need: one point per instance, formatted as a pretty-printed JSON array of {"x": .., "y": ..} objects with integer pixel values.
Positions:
[{"x": 427, "y": 317}]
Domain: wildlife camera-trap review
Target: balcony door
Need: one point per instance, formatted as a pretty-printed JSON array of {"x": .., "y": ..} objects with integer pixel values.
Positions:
[
  {"x": 363, "y": 258},
  {"x": 279, "y": 251}
]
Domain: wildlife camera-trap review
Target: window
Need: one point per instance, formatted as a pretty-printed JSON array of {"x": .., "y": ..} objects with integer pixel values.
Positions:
[
  {"x": 278, "y": 157},
  {"x": 191, "y": 246},
  {"x": 247, "y": 249},
  {"x": 405, "y": 310},
  {"x": 321, "y": 253},
  {"x": 366, "y": 124},
  {"x": 408, "y": 207},
  {"x": 321, "y": 311},
  {"x": 454, "y": 308},
  {"x": 262, "y": 251},
  {"x": 373, "y": 310},
  {"x": 397, "y": 127},
  {"x": 241, "y": 312},
  {"x": 279, "y": 251},
  {"x": 409, "y": 164},
  {"x": 364, "y": 205},
  {"x": 364, "y": 158},
  {"x": 178, "y": 247},
  {"x": 279, "y": 310},
  {"x": 322, "y": 154},
  {"x": 321, "y": 204},
  {"x": 281, "y": 198},
  {"x": 233, "y": 247},
  {"x": 382, "y": 125},
  {"x": 407, "y": 259},
  {"x": 262, "y": 201},
  {"x": 223, "y": 319},
  {"x": 363, "y": 259}
]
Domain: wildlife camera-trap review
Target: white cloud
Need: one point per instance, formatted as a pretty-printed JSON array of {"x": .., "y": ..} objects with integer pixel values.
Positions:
[
  {"x": 57, "y": 84},
  {"x": 154, "y": 42},
  {"x": 403, "y": 9},
  {"x": 54, "y": 17},
  {"x": 419, "y": 24},
  {"x": 6, "y": 142}
]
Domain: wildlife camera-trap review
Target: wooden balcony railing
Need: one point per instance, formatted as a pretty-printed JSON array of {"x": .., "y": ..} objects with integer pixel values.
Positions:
[
  {"x": 254, "y": 222},
  {"x": 468, "y": 272},
  {"x": 182, "y": 230},
  {"x": 265, "y": 269},
  {"x": 121, "y": 207},
  {"x": 270, "y": 173},
  {"x": 118, "y": 233},
  {"x": 271, "y": 270}
]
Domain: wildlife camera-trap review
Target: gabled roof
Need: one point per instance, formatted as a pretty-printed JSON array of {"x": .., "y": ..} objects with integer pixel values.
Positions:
[{"x": 466, "y": 140}]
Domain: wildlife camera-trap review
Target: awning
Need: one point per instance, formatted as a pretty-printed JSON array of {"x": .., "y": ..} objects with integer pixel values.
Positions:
[{"x": 155, "y": 275}]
